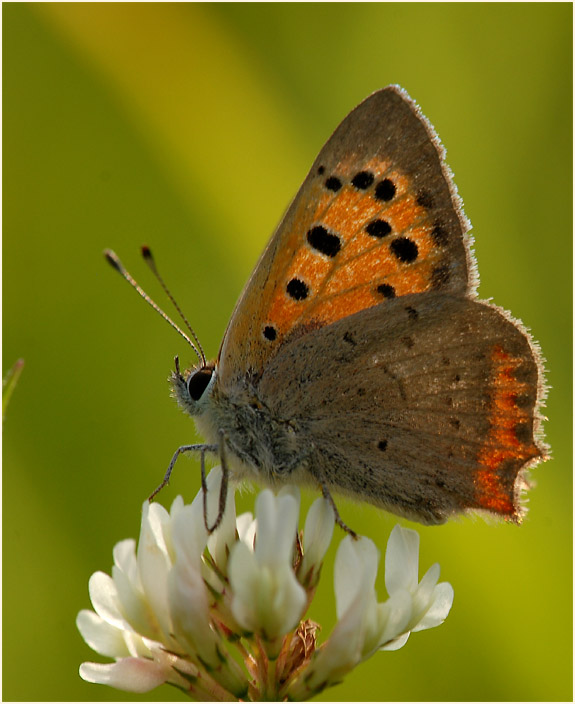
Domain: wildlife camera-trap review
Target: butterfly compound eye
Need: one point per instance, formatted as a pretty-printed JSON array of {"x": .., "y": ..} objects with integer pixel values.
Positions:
[{"x": 198, "y": 382}]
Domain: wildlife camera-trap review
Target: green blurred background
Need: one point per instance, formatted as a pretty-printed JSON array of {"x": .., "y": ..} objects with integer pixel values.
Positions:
[{"x": 189, "y": 128}]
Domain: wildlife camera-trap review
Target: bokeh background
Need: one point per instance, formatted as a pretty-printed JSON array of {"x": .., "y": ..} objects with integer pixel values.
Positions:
[{"x": 189, "y": 128}]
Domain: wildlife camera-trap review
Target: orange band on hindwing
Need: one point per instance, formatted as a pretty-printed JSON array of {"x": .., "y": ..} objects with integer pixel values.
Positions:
[{"x": 509, "y": 443}]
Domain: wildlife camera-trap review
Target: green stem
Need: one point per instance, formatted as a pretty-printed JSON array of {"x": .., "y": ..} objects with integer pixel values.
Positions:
[{"x": 270, "y": 693}]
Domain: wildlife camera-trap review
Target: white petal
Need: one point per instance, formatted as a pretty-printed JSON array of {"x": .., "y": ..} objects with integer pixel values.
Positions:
[
  {"x": 439, "y": 609},
  {"x": 428, "y": 582},
  {"x": 266, "y": 512},
  {"x": 423, "y": 595},
  {"x": 213, "y": 485},
  {"x": 188, "y": 597},
  {"x": 242, "y": 572},
  {"x": 317, "y": 536},
  {"x": 346, "y": 568},
  {"x": 129, "y": 674},
  {"x": 293, "y": 491},
  {"x": 138, "y": 646},
  {"x": 355, "y": 571},
  {"x": 246, "y": 527},
  {"x": 102, "y": 637},
  {"x": 394, "y": 616},
  {"x": 189, "y": 609},
  {"x": 125, "y": 559},
  {"x": 176, "y": 507},
  {"x": 276, "y": 529},
  {"x": 104, "y": 597},
  {"x": 189, "y": 535},
  {"x": 401, "y": 560},
  {"x": 356, "y": 630},
  {"x": 267, "y": 600},
  {"x": 134, "y": 606},
  {"x": 397, "y": 643},
  {"x": 285, "y": 529},
  {"x": 371, "y": 625},
  {"x": 221, "y": 540},
  {"x": 154, "y": 562},
  {"x": 154, "y": 517},
  {"x": 289, "y": 604},
  {"x": 339, "y": 654}
]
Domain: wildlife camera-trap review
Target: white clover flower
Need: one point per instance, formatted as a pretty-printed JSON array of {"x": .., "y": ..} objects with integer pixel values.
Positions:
[
  {"x": 268, "y": 599},
  {"x": 220, "y": 617},
  {"x": 364, "y": 625}
]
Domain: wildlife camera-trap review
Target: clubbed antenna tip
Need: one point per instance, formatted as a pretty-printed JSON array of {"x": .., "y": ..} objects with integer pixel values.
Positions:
[{"x": 113, "y": 261}]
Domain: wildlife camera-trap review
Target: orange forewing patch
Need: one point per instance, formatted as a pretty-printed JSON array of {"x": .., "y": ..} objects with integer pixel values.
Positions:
[
  {"x": 379, "y": 265},
  {"x": 345, "y": 304},
  {"x": 344, "y": 284},
  {"x": 349, "y": 211},
  {"x": 309, "y": 268}
]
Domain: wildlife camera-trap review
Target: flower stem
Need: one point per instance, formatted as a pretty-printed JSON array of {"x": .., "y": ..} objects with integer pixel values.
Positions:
[{"x": 204, "y": 688}]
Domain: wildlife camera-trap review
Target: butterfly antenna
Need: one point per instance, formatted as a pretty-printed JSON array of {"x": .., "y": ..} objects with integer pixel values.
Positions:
[
  {"x": 150, "y": 261},
  {"x": 114, "y": 261}
]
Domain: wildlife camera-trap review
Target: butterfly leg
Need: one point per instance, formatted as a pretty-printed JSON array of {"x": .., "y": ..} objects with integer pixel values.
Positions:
[
  {"x": 184, "y": 448},
  {"x": 338, "y": 519},
  {"x": 223, "y": 487}
]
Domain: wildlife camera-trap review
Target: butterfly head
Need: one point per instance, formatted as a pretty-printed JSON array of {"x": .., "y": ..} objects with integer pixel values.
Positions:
[{"x": 192, "y": 389}]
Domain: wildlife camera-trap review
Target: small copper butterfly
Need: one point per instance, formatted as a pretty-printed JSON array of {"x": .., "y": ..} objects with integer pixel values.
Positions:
[{"x": 358, "y": 359}]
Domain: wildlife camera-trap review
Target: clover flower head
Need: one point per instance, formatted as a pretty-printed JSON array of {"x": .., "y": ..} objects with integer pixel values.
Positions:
[{"x": 223, "y": 616}]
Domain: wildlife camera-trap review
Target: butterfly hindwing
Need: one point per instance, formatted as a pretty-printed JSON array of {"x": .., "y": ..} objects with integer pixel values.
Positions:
[
  {"x": 377, "y": 218},
  {"x": 427, "y": 407}
]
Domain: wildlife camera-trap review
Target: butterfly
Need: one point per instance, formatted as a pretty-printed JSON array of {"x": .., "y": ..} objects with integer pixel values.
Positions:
[{"x": 358, "y": 359}]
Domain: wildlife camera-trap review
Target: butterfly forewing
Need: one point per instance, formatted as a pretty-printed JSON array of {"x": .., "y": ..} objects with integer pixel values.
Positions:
[{"x": 371, "y": 222}]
